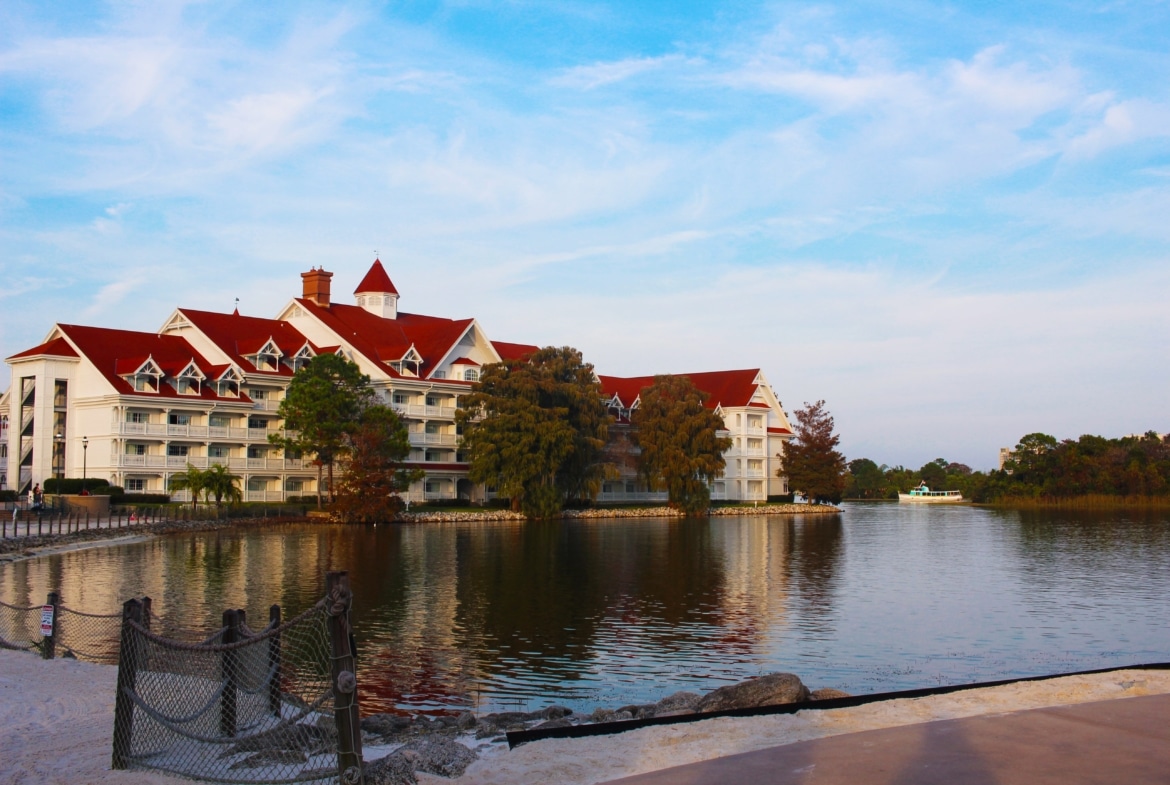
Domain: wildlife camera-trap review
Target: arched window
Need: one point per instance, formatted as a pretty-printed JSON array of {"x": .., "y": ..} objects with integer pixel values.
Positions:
[{"x": 471, "y": 375}]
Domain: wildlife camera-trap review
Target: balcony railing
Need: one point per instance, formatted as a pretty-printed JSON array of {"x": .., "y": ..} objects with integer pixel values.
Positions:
[
  {"x": 266, "y": 404},
  {"x": 264, "y": 496},
  {"x": 418, "y": 410},
  {"x": 221, "y": 432},
  {"x": 448, "y": 439},
  {"x": 204, "y": 461}
]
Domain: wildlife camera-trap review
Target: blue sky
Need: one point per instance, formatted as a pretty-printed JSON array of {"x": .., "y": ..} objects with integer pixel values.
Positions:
[{"x": 950, "y": 221}]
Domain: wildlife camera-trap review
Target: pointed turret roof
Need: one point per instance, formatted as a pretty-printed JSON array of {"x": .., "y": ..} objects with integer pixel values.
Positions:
[{"x": 376, "y": 280}]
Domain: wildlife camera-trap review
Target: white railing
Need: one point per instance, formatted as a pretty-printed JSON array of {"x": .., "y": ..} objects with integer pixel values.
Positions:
[
  {"x": 755, "y": 431},
  {"x": 205, "y": 461},
  {"x": 266, "y": 404},
  {"x": 449, "y": 439},
  {"x": 198, "y": 431},
  {"x": 263, "y": 496},
  {"x": 632, "y": 496},
  {"x": 418, "y": 410}
]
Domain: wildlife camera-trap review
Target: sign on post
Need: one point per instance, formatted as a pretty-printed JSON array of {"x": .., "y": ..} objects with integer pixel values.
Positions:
[{"x": 46, "y": 620}]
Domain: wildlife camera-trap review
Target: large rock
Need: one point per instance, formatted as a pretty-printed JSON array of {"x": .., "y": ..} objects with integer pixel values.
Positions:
[
  {"x": 827, "y": 693},
  {"x": 439, "y": 755},
  {"x": 395, "y": 769},
  {"x": 678, "y": 703},
  {"x": 769, "y": 690}
]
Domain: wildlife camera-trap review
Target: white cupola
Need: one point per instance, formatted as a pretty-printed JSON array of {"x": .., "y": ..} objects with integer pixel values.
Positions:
[{"x": 376, "y": 293}]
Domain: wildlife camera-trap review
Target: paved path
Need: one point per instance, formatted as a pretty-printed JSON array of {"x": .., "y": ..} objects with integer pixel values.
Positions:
[{"x": 1117, "y": 741}]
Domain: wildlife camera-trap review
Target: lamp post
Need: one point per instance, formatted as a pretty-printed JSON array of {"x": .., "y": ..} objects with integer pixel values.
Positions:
[
  {"x": 59, "y": 456},
  {"x": 84, "y": 462}
]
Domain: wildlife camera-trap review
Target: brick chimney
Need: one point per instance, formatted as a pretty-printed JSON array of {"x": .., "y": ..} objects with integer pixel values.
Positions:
[{"x": 316, "y": 286}]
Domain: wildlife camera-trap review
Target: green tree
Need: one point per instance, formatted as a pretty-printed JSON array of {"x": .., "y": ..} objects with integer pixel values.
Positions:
[
  {"x": 535, "y": 428},
  {"x": 321, "y": 408},
  {"x": 372, "y": 476},
  {"x": 934, "y": 474},
  {"x": 814, "y": 466},
  {"x": 220, "y": 483},
  {"x": 680, "y": 446},
  {"x": 192, "y": 480},
  {"x": 866, "y": 480}
]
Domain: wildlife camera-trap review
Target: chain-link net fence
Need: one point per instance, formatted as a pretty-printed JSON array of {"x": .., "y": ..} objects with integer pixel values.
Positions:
[
  {"x": 20, "y": 627},
  {"x": 241, "y": 706},
  {"x": 84, "y": 636}
]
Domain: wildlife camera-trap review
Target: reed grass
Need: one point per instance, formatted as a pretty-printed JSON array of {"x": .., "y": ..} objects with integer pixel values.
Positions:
[{"x": 1091, "y": 501}]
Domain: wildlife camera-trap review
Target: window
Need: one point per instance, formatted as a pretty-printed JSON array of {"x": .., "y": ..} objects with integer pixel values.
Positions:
[
  {"x": 471, "y": 375},
  {"x": 629, "y": 487},
  {"x": 218, "y": 451},
  {"x": 139, "y": 417},
  {"x": 401, "y": 398},
  {"x": 434, "y": 455},
  {"x": 178, "y": 450},
  {"x": 755, "y": 421},
  {"x": 257, "y": 395},
  {"x": 178, "y": 418},
  {"x": 135, "y": 485},
  {"x": 228, "y": 389},
  {"x": 432, "y": 400},
  {"x": 439, "y": 374},
  {"x": 145, "y": 383},
  {"x": 188, "y": 385},
  {"x": 255, "y": 452},
  {"x": 258, "y": 423},
  {"x": 266, "y": 362},
  {"x": 433, "y": 486},
  {"x": 136, "y": 449},
  {"x": 433, "y": 427},
  {"x": 219, "y": 421},
  {"x": 294, "y": 484}
]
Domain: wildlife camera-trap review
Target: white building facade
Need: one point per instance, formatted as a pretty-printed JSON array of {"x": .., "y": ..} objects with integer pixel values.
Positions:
[{"x": 136, "y": 408}]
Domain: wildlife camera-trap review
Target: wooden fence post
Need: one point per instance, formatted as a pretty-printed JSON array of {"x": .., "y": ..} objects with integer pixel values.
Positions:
[
  {"x": 50, "y": 643},
  {"x": 345, "y": 697},
  {"x": 128, "y": 662},
  {"x": 227, "y": 706},
  {"x": 274, "y": 663}
]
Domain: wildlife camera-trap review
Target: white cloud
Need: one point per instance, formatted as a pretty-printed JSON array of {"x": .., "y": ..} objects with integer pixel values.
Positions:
[{"x": 590, "y": 77}]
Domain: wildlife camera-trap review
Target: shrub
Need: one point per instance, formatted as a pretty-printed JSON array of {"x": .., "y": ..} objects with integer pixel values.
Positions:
[
  {"x": 7, "y": 496},
  {"x": 139, "y": 499},
  {"x": 783, "y": 498},
  {"x": 72, "y": 485}
]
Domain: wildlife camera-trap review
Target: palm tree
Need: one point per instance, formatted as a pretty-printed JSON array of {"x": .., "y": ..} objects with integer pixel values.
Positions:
[
  {"x": 193, "y": 480},
  {"x": 219, "y": 482}
]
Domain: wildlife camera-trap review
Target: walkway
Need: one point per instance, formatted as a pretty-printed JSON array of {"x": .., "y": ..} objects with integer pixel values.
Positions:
[{"x": 1117, "y": 741}]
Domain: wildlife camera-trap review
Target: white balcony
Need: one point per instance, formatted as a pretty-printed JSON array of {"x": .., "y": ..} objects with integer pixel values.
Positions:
[
  {"x": 760, "y": 431},
  {"x": 267, "y": 405},
  {"x": 418, "y": 410},
  {"x": 448, "y": 439},
  {"x": 263, "y": 496},
  {"x": 180, "y": 462},
  {"x": 203, "y": 432}
]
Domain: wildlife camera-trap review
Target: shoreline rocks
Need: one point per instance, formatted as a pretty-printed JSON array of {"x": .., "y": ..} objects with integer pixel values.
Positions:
[
  {"x": 612, "y": 512},
  {"x": 425, "y": 740}
]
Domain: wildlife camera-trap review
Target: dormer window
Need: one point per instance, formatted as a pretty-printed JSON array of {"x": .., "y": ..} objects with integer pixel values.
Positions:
[
  {"x": 228, "y": 383},
  {"x": 301, "y": 358},
  {"x": 189, "y": 380},
  {"x": 471, "y": 375},
  {"x": 145, "y": 382}
]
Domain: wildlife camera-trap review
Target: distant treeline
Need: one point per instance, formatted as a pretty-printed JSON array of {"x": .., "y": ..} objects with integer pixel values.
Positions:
[{"x": 1040, "y": 469}]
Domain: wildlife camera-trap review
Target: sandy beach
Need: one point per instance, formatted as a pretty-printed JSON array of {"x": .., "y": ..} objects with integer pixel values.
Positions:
[{"x": 57, "y": 718}]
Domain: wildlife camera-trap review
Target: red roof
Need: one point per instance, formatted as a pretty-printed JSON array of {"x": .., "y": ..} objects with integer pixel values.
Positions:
[
  {"x": 513, "y": 351},
  {"x": 376, "y": 280},
  {"x": 723, "y": 388},
  {"x": 240, "y": 335},
  {"x": 58, "y": 347},
  {"x": 465, "y": 361},
  {"x": 112, "y": 351},
  {"x": 773, "y": 429},
  {"x": 387, "y": 340}
]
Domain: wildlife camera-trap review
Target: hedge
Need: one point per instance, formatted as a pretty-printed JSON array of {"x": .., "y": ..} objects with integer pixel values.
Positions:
[{"x": 73, "y": 485}]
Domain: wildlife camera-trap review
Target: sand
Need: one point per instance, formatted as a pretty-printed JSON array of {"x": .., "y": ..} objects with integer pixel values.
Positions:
[{"x": 56, "y": 718}]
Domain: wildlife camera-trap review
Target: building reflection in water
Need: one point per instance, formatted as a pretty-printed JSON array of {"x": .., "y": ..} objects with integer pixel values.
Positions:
[{"x": 500, "y": 616}]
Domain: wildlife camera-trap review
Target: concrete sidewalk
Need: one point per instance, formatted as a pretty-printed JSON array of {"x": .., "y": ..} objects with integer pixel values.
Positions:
[{"x": 1109, "y": 742}]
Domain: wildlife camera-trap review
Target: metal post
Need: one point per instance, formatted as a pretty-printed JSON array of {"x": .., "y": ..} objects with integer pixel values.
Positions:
[
  {"x": 345, "y": 698},
  {"x": 84, "y": 462},
  {"x": 128, "y": 661},
  {"x": 227, "y": 706}
]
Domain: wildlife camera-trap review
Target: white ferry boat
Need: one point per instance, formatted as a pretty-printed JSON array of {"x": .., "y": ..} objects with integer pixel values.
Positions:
[{"x": 924, "y": 495}]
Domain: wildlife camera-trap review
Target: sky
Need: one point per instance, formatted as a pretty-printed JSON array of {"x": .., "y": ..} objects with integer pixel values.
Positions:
[{"x": 947, "y": 220}]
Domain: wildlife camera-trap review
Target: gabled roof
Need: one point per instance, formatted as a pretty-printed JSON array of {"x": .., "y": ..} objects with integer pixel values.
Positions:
[
  {"x": 114, "y": 351},
  {"x": 723, "y": 388},
  {"x": 383, "y": 341},
  {"x": 58, "y": 347},
  {"x": 376, "y": 280},
  {"x": 513, "y": 351},
  {"x": 238, "y": 336}
]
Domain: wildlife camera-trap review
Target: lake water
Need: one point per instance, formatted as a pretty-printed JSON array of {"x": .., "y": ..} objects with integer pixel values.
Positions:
[{"x": 609, "y": 612}]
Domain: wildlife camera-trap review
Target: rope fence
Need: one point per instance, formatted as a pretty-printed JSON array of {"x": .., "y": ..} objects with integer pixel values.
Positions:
[{"x": 277, "y": 704}]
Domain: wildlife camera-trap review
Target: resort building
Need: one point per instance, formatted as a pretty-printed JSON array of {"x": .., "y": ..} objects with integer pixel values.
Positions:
[{"x": 136, "y": 408}]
